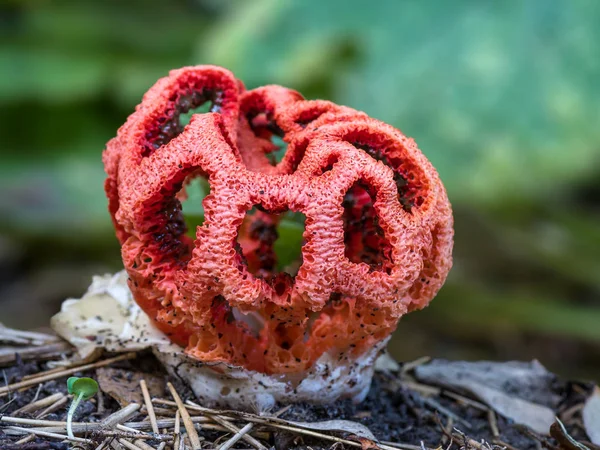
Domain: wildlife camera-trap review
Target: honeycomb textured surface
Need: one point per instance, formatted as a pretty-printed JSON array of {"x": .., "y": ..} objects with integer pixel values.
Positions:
[{"x": 378, "y": 230}]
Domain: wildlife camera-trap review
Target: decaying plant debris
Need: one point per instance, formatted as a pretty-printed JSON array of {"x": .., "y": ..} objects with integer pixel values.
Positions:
[{"x": 140, "y": 408}]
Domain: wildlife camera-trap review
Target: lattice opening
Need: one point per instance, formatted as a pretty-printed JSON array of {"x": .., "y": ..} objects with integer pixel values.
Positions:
[
  {"x": 172, "y": 122},
  {"x": 277, "y": 155},
  {"x": 203, "y": 108},
  {"x": 271, "y": 245},
  {"x": 191, "y": 196},
  {"x": 364, "y": 239}
]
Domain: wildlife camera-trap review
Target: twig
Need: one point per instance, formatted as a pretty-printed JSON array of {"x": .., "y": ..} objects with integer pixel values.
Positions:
[
  {"x": 568, "y": 414},
  {"x": 504, "y": 444},
  {"x": 30, "y": 437},
  {"x": 177, "y": 431},
  {"x": 493, "y": 423},
  {"x": 467, "y": 401},
  {"x": 160, "y": 411},
  {"x": 560, "y": 433},
  {"x": 162, "y": 445},
  {"x": 448, "y": 428},
  {"x": 540, "y": 441},
  {"x": 459, "y": 435},
  {"x": 103, "y": 444},
  {"x": 36, "y": 422},
  {"x": 223, "y": 413},
  {"x": 402, "y": 446},
  {"x": 37, "y": 393},
  {"x": 8, "y": 403},
  {"x": 282, "y": 411},
  {"x": 236, "y": 437},
  {"x": 136, "y": 435},
  {"x": 121, "y": 416},
  {"x": 431, "y": 402},
  {"x": 163, "y": 423},
  {"x": 52, "y": 435},
  {"x": 128, "y": 444},
  {"x": 246, "y": 429},
  {"x": 235, "y": 430},
  {"x": 149, "y": 407},
  {"x": 45, "y": 372},
  {"x": 100, "y": 405},
  {"x": 420, "y": 387},
  {"x": 122, "y": 427},
  {"x": 144, "y": 446},
  {"x": 42, "y": 403},
  {"x": 407, "y": 367},
  {"x": 97, "y": 430},
  {"x": 41, "y": 352},
  {"x": 53, "y": 407},
  {"x": 187, "y": 420}
]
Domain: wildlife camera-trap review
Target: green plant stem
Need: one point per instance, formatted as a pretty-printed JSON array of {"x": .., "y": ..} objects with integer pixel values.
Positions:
[{"x": 72, "y": 410}]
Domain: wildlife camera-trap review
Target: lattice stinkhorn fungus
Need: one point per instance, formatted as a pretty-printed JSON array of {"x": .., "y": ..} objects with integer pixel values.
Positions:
[{"x": 378, "y": 225}]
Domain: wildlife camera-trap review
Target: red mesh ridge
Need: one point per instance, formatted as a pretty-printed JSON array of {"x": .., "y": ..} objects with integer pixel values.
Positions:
[{"x": 378, "y": 229}]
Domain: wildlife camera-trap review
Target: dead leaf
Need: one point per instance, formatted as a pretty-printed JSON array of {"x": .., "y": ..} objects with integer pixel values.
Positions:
[
  {"x": 346, "y": 426},
  {"x": 496, "y": 385},
  {"x": 564, "y": 439},
  {"x": 368, "y": 444},
  {"x": 385, "y": 363},
  {"x": 124, "y": 385},
  {"x": 591, "y": 416},
  {"x": 529, "y": 380}
]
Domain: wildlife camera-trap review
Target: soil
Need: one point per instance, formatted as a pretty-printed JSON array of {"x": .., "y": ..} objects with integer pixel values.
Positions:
[{"x": 392, "y": 412}]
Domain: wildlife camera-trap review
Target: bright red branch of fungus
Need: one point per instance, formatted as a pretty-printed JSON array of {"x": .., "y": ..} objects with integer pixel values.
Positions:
[{"x": 378, "y": 230}]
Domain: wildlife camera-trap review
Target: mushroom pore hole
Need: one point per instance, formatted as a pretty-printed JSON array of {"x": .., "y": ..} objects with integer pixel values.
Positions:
[
  {"x": 192, "y": 196},
  {"x": 173, "y": 121},
  {"x": 364, "y": 239},
  {"x": 271, "y": 245}
]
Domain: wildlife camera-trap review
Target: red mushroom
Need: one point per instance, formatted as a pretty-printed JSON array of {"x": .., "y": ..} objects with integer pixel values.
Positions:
[{"x": 378, "y": 230}]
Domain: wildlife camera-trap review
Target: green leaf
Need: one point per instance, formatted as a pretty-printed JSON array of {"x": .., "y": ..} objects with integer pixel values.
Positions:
[
  {"x": 288, "y": 247},
  {"x": 496, "y": 94},
  {"x": 70, "y": 383},
  {"x": 86, "y": 387}
]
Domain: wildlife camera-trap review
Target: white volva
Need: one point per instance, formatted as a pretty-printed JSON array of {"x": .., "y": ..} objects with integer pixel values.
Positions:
[{"x": 107, "y": 317}]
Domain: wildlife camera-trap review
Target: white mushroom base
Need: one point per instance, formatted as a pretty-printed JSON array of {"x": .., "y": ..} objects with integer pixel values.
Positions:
[{"x": 107, "y": 317}]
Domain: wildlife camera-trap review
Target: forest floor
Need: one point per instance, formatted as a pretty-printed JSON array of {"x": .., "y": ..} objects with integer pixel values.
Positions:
[{"x": 418, "y": 405}]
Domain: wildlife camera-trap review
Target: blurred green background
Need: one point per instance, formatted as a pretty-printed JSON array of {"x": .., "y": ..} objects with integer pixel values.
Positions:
[{"x": 502, "y": 96}]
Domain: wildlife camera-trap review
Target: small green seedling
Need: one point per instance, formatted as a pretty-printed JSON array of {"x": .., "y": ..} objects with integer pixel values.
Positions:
[{"x": 82, "y": 389}]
